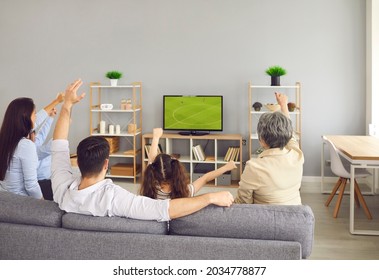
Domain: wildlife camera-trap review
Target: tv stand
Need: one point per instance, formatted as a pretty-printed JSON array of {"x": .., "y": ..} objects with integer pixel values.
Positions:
[{"x": 194, "y": 133}]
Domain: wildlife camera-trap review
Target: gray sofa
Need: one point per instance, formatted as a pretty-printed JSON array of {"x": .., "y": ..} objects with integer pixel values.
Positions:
[{"x": 36, "y": 229}]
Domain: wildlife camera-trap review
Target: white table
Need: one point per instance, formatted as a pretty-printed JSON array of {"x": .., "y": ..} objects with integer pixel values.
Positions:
[{"x": 361, "y": 152}]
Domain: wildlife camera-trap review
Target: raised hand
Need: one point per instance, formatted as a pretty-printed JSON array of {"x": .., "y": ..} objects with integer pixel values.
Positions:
[
  {"x": 282, "y": 100},
  {"x": 71, "y": 97},
  {"x": 60, "y": 97},
  {"x": 223, "y": 198},
  {"x": 231, "y": 165},
  {"x": 52, "y": 113},
  {"x": 157, "y": 132}
]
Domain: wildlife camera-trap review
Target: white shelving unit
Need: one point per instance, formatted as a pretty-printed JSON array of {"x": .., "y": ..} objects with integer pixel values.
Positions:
[
  {"x": 265, "y": 95},
  {"x": 129, "y": 139},
  {"x": 215, "y": 146}
]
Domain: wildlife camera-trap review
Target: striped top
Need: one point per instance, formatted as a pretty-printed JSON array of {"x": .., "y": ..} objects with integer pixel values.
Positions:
[{"x": 166, "y": 195}]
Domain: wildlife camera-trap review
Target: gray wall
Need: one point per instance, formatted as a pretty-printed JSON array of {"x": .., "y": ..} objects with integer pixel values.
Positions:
[{"x": 192, "y": 47}]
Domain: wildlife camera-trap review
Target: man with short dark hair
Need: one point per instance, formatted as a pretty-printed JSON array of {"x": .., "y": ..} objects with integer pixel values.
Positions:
[{"x": 92, "y": 194}]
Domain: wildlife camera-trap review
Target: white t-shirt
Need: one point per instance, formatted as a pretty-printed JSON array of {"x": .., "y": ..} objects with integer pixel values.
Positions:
[{"x": 101, "y": 199}]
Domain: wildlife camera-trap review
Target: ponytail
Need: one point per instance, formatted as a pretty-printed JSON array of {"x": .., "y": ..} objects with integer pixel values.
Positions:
[
  {"x": 179, "y": 180},
  {"x": 149, "y": 182}
]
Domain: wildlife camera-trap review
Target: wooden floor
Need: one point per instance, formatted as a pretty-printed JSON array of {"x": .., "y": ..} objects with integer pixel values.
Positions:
[{"x": 332, "y": 240}]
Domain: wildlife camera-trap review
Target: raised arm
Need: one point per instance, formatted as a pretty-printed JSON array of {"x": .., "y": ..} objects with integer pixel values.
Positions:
[
  {"x": 50, "y": 107},
  {"x": 63, "y": 124},
  {"x": 157, "y": 133},
  {"x": 282, "y": 100},
  {"x": 199, "y": 183}
]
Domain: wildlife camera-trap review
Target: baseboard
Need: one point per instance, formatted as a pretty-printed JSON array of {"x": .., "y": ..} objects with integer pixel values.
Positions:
[{"x": 317, "y": 179}]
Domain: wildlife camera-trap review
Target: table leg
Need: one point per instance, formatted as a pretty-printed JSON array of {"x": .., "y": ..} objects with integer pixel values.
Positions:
[
  {"x": 322, "y": 167},
  {"x": 352, "y": 195}
]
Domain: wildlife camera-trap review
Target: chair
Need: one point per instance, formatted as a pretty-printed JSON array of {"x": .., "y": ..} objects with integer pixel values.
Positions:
[
  {"x": 373, "y": 130},
  {"x": 340, "y": 168}
]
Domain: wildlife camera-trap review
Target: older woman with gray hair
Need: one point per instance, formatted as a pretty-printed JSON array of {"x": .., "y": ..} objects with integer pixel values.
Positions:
[{"x": 274, "y": 177}]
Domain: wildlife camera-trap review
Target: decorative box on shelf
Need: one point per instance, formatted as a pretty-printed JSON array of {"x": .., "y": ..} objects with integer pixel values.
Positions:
[
  {"x": 224, "y": 179},
  {"x": 124, "y": 169},
  {"x": 114, "y": 144}
]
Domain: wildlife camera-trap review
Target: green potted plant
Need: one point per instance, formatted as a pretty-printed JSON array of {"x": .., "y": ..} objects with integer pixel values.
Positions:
[
  {"x": 114, "y": 76},
  {"x": 291, "y": 106},
  {"x": 257, "y": 106},
  {"x": 275, "y": 72}
]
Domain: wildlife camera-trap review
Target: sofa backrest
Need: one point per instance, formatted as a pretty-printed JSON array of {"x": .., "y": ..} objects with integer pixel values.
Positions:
[
  {"x": 19, "y": 209},
  {"x": 112, "y": 224},
  {"x": 251, "y": 221}
]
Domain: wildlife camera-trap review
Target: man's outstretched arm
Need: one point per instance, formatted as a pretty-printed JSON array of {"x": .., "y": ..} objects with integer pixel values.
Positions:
[
  {"x": 63, "y": 123},
  {"x": 180, "y": 207}
]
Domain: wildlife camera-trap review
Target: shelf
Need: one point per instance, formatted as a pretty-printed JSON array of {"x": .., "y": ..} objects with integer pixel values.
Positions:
[
  {"x": 132, "y": 118},
  {"x": 121, "y": 177},
  {"x": 122, "y": 154},
  {"x": 115, "y": 87},
  {"x": 257, "y": 93},
  {"x": 184, "y": 159},
  {"x": 297, "y": 112},
  {"x": 253, "y": 86},
  {"x": 121, "y": 134},
  {"x": 204, "y": 161},
  {"x": 254, "y": 136},
  {"x": 116, "y": 110}
]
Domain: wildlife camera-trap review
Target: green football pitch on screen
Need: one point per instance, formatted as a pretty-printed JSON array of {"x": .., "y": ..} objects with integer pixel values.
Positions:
[{"x": 193, "y": 112}]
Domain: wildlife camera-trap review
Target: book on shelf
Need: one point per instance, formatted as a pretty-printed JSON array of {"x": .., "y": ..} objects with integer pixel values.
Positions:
[
  {"x": 237, "y": 155},
  {"x": 195, "y": 155},
  {"x": 227, "y": 155},
  {"x": 232, "y": 153},
  {"x": 198, "y": 153},
  {"x": 147, "y": 149}
]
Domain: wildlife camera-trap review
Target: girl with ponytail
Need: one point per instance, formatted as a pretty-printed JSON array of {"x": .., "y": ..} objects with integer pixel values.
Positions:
[{"x": 165, "y": 177}]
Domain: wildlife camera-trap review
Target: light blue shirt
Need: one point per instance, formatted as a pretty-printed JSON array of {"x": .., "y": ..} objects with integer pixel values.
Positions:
[
  {"x": 42, "y": 126},
  {"x": 21, "y": 176}
]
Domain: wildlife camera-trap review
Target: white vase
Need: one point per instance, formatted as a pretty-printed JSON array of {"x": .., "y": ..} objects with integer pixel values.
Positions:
[{"x": 114, "y": 82}]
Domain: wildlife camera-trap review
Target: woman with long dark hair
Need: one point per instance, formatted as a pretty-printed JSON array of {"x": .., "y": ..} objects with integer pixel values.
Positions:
[{"x": 18, "y": 154}]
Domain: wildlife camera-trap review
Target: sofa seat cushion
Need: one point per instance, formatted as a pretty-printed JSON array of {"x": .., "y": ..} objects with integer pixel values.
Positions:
[
  {"x": 251, "y": 221},
  {"x": 19, "y": 209},
  {"x": 112, "y": 224}
]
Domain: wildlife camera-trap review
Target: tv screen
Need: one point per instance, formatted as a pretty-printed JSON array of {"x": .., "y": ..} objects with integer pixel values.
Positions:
[{"x": 193, "y": 113}]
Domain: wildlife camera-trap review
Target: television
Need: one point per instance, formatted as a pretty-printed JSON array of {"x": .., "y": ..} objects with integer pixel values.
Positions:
[{"x": 193, "y": 114}]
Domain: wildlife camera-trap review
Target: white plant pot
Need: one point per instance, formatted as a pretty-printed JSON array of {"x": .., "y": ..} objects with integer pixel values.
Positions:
[{"x": 114, "y": 82}]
